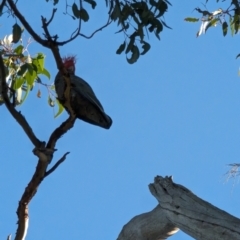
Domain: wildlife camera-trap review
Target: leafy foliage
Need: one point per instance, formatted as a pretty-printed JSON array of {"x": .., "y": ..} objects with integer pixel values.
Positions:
[
  {"x": 210, "y": 19},
  {"x": 139, "y": 18},
  {"x": 135, "y": 18},
  {"x": 24, "y": 71}
]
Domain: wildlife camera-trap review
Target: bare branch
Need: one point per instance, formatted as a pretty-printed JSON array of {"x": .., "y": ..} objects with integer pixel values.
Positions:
[
  {"x": 99, "y": 29},
  {"x": 58, "y": 132},
  {"x": 53, "y": 13},
  {"x": 45, "y": 28},
  {"x": 179, "y": 208},
  {"x": 44, "y": 154},
  {"x": 30, "y": 191},
  {"x": 152, "y": 225},
  {"x": 51, "y": 43},
  {"x": 16, "y": 115},
  {"x": 2, "y": 5},
  {"x": 194, "y": 216},
  {"x": 52, "y": 169}
]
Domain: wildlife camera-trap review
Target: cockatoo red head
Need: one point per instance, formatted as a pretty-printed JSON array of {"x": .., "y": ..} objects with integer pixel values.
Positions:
[{"x": 69, "y": 63}]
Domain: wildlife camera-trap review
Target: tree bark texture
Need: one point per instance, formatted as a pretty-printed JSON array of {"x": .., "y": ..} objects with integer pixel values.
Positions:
[{"x": 180, "y": 209}]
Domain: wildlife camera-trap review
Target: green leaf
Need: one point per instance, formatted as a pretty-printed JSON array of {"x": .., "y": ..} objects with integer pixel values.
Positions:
[
  {"x": 60, "y": 109},
  {"x": 38, "y": 63},
  {"x": 225, "y": 28},
  {"x": 16, "y": 32},
  {"x": 121, "y": 48},
  {"x": 135, "y": 55},
  {"x": 190, "y": 19},
  {"x": 153, "y": 3},
  {"x": 159, "y": 26},
  {"x": 136, "y": 19},
  {"x": 212, "y": 23},
  {"x": 236, "y": 26},
  {"x": 168, "y": 2},
  {"x": 23, "y": 69},
  {"x": 115, "y": 13},
  {"x": 26, "y": 94},
  {"x": 140, "y": 33},
  {"x": 165, "y": 25},
  {"x": 31, "y": 75},
  {"x": 157, "y": 35},
  {"x": 151, "y": 28},
  {"x": 231, "y": 25},
  {"x": 46, "y": 73},
  {"x": 18, "y": 83},
  {"x": 126, "y": 12},
  {"x": 130, "y": 44},
  {"x": 40, "y": 58},
  {"x": 162, "y": 7},
  {"x": 75, "y": 10},
  {"x": 84, "y": 15},
  {"x": 146, "y": 46},
  {"x": 18, "y": 50},
  {"x": 93, "y": 3}
]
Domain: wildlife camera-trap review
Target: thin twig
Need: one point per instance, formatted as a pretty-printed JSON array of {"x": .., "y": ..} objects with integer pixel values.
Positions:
[
  {"x": 45, "y": 28},
  {"x": 52, "y": 169},
  {"x": 2, "y": 5},
  {"x": 53, "y": 13},
  {"x": 99, "y": 29}
]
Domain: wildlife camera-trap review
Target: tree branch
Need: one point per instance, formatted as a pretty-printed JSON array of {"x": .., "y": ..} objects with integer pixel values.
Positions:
[
  {"x": 50, "y": 43},
  {"x": 152, "y": 225},
  {"x": 60, "y": 131},
  {"x": 52, "y": 169},
  {"x": 99, "y": 29},
  {"x": 179, "y": 208},
  {"x": 44, "y": 155},
  {"x": 51, "y": 18},
  {"x": 194, "y": 216},
  {"x": 2, "y": 6},
  {"x": 16, "y": 115}
]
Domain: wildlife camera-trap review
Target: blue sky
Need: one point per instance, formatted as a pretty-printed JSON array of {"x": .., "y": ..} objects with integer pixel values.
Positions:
[{"x": 175, "y": 112}]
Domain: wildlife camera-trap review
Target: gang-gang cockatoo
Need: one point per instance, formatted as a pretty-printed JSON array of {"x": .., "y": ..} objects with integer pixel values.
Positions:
[{"x": 83, "y": 100}]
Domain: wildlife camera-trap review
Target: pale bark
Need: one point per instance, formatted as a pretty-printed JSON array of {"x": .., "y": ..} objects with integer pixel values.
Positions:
[{"x": 179, "y": 208}]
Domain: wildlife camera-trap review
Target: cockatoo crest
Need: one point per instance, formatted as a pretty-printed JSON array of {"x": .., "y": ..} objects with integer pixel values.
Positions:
[{"x": 69, "y": 63}]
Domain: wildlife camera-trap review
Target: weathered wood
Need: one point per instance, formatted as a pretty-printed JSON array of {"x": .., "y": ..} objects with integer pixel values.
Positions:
[
  {"x": 180, "y": 208},
  {"x": 153, "y": 225}
]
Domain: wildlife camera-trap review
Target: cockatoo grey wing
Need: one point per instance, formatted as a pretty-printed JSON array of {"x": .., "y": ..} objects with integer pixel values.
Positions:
[
  {"x": 86, "y": 105},
  {"x": 83, "y": 88}
]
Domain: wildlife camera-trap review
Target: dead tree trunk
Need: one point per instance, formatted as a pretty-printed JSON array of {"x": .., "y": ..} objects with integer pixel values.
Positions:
[{"x": 180, "y": 209}]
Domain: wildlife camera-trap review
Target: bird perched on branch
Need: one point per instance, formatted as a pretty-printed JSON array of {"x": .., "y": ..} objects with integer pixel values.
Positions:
[{"x": 83, "y": 100}]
